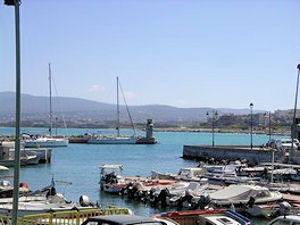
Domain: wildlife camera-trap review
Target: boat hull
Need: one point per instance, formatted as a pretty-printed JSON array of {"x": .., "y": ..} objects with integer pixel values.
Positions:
[
  {"x": 46, "y": 143},
  {"x": 112, "y": 140}
]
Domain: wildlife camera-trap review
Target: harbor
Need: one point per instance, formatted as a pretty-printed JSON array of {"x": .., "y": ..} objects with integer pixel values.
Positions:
[
  {"x": 209, "y": 136},
  {"x": 70, "y": 164}
]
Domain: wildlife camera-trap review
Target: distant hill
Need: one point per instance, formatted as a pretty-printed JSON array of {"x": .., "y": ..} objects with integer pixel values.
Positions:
[{"x": 37, "y": 108}]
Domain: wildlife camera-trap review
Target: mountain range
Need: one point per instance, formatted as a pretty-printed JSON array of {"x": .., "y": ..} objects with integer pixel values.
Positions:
[{"x": 37, "y": 108}]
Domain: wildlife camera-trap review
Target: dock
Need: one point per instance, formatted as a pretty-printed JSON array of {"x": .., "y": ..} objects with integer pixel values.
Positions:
[{"x": 254, "y": 156}]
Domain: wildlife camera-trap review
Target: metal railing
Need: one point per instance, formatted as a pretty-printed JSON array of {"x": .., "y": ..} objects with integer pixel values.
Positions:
[{"x": 74, "y": 217}]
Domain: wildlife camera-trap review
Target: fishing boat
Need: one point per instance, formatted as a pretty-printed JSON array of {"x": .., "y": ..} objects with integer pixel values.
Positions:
[
  {"x": 46, "y": 141},
  {"x": 113, "y": 182},
  {"x": 116, "y": 139},
  {"x": 110, "y": 179}
]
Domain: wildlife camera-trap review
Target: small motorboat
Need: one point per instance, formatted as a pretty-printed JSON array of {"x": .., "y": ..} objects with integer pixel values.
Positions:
[
  {"x": 110, "y": 180},
  {"x": 237, "y": 194}
]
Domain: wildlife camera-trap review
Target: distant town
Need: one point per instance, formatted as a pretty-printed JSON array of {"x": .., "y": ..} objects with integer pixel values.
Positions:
[{"x": 278, "y": 122}]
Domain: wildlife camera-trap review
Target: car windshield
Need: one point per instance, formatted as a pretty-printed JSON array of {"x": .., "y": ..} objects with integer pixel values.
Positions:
[
  {"x": 111, "y": 223},
  {"x": 285, "y": 222},
  {"x": 154, "y": 223}
]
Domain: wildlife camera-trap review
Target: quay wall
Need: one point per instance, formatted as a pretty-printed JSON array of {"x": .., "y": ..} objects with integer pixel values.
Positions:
[{"x": 254, "y": 156}]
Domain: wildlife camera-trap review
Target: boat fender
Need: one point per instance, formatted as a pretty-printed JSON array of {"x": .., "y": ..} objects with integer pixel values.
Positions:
[
  {"x": 24, "y": 185},
  {"x": 130, "y": 212},
  {"x": 84, "y": 201}
]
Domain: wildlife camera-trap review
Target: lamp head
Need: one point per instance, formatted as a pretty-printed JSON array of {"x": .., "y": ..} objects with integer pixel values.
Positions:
[
  {"x": 298, "y": 67},
  {"x": 251, "y": 105},
  {"x": 11, "y": 2}
]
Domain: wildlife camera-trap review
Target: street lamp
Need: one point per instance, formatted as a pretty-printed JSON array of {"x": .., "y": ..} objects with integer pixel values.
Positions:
[
  {"x": 213, "y": 121},
  {"x": 56, "y": 124},
  {"x": 16, "y": 4},
  {"x": 268, "y": 114},
  {"x": 291, "y": 155},
  {"x": 251, "y": 124},
  {"x": 11, "y": 2}
]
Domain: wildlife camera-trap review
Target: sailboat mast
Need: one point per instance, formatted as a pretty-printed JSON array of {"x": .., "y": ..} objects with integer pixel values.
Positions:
[
  {"x": 118, "y": 109},
  {"x": 50, "y": 102}
]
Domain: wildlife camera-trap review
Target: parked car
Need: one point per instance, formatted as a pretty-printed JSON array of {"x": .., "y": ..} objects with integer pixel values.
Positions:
[
  {"x": 206, "y": 217},
  {"x": 127, "y": 220},
  {"x": 286, "y": 144},
  {"x": 285, "y": 220}
]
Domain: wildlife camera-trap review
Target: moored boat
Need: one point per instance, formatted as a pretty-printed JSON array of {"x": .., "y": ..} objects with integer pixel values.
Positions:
[
  {"x": 46, "y": 142},
  {"x": 237, "y": 194},
  {"x": 106, "y": 139}
]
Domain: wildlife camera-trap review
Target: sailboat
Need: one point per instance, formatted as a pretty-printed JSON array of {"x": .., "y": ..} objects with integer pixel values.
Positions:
[
  {"x": 47, "y": 141},
  {"x": 115, "y": 139}
]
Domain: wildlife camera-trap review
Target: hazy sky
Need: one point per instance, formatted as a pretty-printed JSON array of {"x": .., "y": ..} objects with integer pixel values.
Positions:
[{"x": 186, "y": 53}]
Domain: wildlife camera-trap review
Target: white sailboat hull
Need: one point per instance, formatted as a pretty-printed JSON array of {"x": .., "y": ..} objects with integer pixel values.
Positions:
[
  {"x": 112, "y": 140},
  {"x": 46, "y": 143}
]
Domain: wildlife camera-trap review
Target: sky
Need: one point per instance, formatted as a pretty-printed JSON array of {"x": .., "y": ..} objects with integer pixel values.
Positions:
[{"x": 191, "y": 53}]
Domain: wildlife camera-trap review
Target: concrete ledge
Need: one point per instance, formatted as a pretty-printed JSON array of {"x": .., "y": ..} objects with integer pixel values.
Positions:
[{"x": 234, "y": 152}]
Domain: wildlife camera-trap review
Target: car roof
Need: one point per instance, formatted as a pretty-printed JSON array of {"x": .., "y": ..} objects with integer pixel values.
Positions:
[
  {"x": 293, "y": 218},
  {"x": 123, "y": 219},
  {"x": 221, "y": 219}
]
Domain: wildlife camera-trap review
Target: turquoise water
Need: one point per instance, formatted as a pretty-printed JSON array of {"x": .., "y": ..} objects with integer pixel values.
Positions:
[{"x": 79, "y": 163}]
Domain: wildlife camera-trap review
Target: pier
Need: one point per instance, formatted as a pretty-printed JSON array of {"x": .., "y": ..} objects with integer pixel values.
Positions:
[{"x": 253, "y": 156}]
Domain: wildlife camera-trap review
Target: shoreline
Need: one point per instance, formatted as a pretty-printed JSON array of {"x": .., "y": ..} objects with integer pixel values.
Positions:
[{"x": 174, "y": 129}]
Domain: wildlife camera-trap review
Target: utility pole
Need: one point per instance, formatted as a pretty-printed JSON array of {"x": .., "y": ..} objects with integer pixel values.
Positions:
[
  {"x": 251, "y": 125},
  {"x": 213, "y": 121},
  {"x": 291, "y": 155},
  {"x": 16, "y": 4}
]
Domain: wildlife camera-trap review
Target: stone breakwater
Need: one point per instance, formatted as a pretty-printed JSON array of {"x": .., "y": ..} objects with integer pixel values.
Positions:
[{"x": 253, "y": 156}]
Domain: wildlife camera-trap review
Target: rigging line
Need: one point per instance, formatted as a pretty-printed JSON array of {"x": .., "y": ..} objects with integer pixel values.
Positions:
[
  {"x": 59, "y": 106},
  {"x": 127, "y": 109}
]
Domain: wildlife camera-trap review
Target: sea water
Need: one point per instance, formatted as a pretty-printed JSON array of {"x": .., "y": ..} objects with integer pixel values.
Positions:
[{"x": 79, "y": 163}]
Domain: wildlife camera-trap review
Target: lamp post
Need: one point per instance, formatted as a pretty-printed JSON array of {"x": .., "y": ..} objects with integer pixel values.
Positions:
[
  {"x": 16, "y": 4},
  {"x": 291, "y": 155},
  {"x": 268, "y": 114},
  {"x": 56, "y": 124},
  {"x": 251, "y": 124},
  {"x": 213, "y": 120}
]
